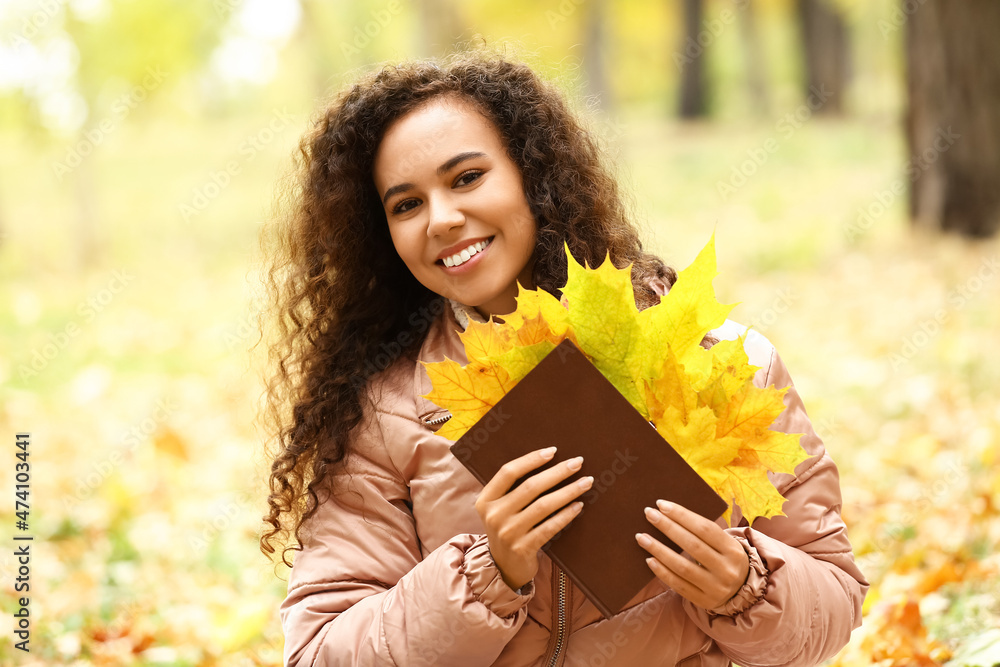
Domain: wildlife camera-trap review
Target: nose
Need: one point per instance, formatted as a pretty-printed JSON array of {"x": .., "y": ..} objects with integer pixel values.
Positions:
[{"x": 443, "y": 215}]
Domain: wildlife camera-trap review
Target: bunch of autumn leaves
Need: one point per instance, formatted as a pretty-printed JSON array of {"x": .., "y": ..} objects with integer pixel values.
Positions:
[{"x": 702, "y": 401}]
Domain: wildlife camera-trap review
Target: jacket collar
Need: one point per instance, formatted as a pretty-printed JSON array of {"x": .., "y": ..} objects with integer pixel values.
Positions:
[{"x": 464, "y": 314}]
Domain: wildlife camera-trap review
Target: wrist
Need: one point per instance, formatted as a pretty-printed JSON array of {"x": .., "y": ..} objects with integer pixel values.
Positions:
[
  {"x": 753, "y": 588},
  {"x": 486, "y": 583},
  {"x": 514, "y": 583}
]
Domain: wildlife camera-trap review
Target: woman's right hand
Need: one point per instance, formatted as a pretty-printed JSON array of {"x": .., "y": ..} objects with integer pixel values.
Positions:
[{"x": 511, "y": 518}]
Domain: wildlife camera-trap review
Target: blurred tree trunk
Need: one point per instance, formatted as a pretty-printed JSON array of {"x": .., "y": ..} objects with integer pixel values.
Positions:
[
  {"x": 594, "y": 50},
  {"x": 756, "y": 75},
  {"x": 953, "y": 120},
  {"x": 827, "y": 54},
  {"x": 441, "y": 26},
  {"x": 693, "y": 102}
]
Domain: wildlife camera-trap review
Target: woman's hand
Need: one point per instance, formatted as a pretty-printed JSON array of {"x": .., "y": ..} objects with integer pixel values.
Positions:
[
  {"x": 716, "y": 566},
  {"x": 511, "y": 518}
]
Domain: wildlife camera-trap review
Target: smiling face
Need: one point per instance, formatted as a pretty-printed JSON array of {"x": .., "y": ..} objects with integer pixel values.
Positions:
[{"x": 455, "y": 205}]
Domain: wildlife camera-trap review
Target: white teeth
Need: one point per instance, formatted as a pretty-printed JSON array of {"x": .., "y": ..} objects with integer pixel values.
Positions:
[{"x": 461, "y": 258}]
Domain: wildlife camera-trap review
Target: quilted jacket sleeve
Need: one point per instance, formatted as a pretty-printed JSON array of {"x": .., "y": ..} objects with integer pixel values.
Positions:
[
  {"x": 804, "y": 593},
  {"x": 359, "y": 592}
]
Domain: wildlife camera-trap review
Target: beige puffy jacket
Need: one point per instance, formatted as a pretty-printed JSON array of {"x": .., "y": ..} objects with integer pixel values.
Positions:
[{"x": 395, "y": 567}]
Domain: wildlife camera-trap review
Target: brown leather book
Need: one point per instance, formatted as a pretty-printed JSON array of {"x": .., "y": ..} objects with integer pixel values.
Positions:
[{"x": 565, "y": 401}]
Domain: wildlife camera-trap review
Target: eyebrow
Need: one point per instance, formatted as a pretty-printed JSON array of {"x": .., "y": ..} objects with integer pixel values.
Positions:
[{"x": 444, "y": 168}]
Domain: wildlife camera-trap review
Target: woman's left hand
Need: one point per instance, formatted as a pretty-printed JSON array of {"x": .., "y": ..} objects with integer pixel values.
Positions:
[{"x": 715, "y": 567}]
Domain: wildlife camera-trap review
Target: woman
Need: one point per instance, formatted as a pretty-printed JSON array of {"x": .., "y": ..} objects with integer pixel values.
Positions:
[{"x": 427, "y": 193}]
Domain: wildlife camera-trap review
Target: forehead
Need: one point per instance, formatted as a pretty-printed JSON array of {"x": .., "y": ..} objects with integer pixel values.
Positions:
[{"x": 431, "y": 134}]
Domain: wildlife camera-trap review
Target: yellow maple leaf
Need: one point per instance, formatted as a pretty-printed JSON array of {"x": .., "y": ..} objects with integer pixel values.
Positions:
[
  {"x": 484, "y": 340},
  {"x": 702, "y": 401},
  {"x": 669, "y": 389},
  {"x": 731, "y": 371},
  {"x": 752, "y": 490},
  {"x": 695, "y": 440},
  {"x": 748, "y": 416},
  {"x": 533, "y": 304},
  {"x": 468, "y": 392},
  {"x": 688, "y": 312},
  {"x": 535, "y": 330}
]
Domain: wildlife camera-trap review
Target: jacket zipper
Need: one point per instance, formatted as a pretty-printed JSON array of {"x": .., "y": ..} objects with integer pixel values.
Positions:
[
  {"x": 561, "y": 620},
  {"x": 561, "y": 595},
  {"x": 438, "y": 420}
]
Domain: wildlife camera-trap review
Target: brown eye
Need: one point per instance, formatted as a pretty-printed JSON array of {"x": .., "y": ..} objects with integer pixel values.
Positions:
[
  {"x": 468, "y": 177},
  {"x": 404, "y": 206}
]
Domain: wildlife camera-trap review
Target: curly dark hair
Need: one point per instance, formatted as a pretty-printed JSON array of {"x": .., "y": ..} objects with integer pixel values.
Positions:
[{"x": 343, "y": 298}]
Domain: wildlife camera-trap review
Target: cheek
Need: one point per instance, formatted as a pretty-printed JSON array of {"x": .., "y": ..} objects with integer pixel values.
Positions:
[
  {"x": 517, "y": 215},
  {"x": 402, "y": 237},
  {"x": 524, "y": 229},
  {"x": 398, "y": 243}
]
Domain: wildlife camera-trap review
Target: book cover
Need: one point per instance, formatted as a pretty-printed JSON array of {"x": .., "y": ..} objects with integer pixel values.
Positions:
[{"x": 565, "y": 401}]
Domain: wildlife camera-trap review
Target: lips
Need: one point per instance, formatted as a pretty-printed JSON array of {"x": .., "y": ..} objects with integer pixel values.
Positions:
[{"x": 461, "y": 253}]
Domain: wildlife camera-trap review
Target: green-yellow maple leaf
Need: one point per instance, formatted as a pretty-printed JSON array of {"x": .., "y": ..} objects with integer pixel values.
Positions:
[
  {"x": 518, "y": 361},
  {"x": 702, "y": 401},
  {"x": 604, "y": 319}
]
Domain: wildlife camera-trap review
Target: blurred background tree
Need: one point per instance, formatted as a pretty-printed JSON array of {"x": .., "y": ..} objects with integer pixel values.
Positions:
[
  {"x": 694, "y": 95},
  {"x": 953, "y": 118},
  {"x": 826, "y": 50},
  {"x": 70, "y": 60}
]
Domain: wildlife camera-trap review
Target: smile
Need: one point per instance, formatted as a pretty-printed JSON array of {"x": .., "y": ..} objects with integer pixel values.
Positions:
[{"x": 461, "y": 258}]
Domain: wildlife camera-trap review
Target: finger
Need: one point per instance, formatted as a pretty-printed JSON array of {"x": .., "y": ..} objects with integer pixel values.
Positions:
[
  {"x": 682, "y": 586},
  {"x": 550, "y": 502},
  {"x": 529, "y": 504},
  {"x": 513, "y": 470},
  {"x": 540, "y": 482},
  {"x": 690, "y": 542},
  {"x": 545, "y": 531},
  {"x": 710, "y": 532},
  {"x": 704, "y": 586},
  {"x": 681, "y": 567}
]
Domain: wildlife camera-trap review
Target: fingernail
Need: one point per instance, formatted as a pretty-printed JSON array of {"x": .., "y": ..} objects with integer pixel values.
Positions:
[
  {"x": 652, "y": 514},
  {"x": 643, "y": 539},
  {"x": 575, "y": 464},
  {"x": 664, "y": 506},
  {"x": 585, "y": 482},
  {"x": 577, "y": 506},
  {"x": 548, "y": 452}
]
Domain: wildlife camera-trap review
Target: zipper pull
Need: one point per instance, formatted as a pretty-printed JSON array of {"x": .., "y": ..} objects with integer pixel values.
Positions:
[{"x": 437, "y": 421}]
